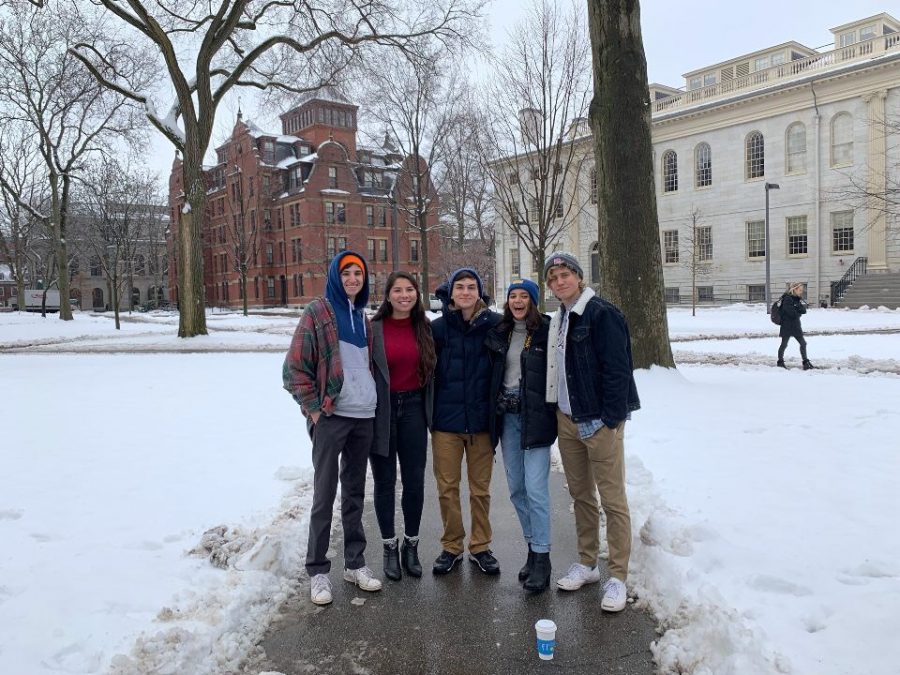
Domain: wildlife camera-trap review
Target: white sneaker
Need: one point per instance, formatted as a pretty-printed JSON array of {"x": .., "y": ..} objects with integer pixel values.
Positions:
[
  {"x": 320, "y": 589},
  {"x": 614, "y": 596},
  {"x": 577, "y": 576},
  {"x": 363, "y": 578}
]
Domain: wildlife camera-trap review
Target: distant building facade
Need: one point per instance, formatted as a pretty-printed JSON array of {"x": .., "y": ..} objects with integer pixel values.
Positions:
[
  {"x": 821, "y": 126},
  {"x": 283, "y": 204}
]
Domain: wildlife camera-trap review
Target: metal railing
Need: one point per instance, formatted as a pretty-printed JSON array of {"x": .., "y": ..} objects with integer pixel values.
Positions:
[
  {"x": 840, "y": 288},
  {"x": 861, "y": 51}
]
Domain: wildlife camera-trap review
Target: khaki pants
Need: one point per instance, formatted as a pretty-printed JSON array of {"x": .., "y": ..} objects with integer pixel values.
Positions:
[
  {"x": 447, "y": 455},
  {"x": 592, "y": 464}
]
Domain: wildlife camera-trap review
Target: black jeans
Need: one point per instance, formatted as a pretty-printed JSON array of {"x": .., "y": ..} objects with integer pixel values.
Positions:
[
  {"x": 346, "y": 440},
  {"x": 784, "y": 343},
  {"x": 409, "y": 441}
]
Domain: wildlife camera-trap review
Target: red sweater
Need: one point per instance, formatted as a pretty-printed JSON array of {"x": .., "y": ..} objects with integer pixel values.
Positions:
[{"x": 402, "y": 353}]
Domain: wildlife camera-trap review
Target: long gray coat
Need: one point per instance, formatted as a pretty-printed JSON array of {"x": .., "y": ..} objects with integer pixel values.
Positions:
[{"x": 381, "y": 444}]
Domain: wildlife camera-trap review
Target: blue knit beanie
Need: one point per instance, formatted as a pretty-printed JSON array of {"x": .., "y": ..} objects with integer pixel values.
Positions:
[{"x": 526, "y": 285}]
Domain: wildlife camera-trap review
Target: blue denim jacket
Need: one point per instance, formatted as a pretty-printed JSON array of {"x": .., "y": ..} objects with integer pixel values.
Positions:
[{"x": 599, "y": 366}]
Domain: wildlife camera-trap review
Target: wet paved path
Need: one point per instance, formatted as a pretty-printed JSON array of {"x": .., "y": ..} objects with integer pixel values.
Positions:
[{"x": 465, "y": 622}]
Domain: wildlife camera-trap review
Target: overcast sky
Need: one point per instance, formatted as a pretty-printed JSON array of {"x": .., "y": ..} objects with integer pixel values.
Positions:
[{"x": 679, "y": 36}]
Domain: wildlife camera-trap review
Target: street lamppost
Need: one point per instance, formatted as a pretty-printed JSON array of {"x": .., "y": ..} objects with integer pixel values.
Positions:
[{"x": 769, "y": 186}]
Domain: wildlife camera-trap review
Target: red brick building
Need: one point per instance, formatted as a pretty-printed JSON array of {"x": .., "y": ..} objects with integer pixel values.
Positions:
[{"x": 284, "y": 204}]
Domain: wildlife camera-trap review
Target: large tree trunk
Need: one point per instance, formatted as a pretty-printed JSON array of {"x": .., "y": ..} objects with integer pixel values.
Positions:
[
  {"x": 191, "y": 303},
  {"x": 60, "y": 205},
  {"x": 628, "y": 226}
]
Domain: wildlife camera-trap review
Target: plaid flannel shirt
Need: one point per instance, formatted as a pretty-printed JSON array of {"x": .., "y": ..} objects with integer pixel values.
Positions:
[{"x": 312, "y": 370}]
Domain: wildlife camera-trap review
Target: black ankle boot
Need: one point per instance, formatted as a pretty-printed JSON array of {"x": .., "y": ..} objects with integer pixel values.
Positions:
[
  {"x": 526, "y": 568},
  {"x": 807, "y": 365},
  {"x": 409, "y": 555},
  {"x": 539, "y": 579},
  {"x": 392, "y": 561},
  {"x": 780, "y": 364}
]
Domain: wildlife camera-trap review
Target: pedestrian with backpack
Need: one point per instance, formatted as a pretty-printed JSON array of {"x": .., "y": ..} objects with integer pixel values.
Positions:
[{"x": 791, "y": 308}]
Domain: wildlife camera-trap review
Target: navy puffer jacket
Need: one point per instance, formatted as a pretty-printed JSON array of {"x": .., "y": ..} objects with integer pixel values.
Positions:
[{"x": 462, "y": 377}]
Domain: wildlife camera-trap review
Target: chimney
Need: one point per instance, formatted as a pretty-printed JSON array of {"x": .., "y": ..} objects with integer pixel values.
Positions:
[{"x": 530, "y": 122}]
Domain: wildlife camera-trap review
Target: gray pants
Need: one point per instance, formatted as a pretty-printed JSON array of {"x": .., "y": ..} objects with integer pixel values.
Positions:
[{"x": 351, "y": 439}]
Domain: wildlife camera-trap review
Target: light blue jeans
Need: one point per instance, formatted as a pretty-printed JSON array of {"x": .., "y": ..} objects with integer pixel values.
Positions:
[{"x": 528, "y": 477}]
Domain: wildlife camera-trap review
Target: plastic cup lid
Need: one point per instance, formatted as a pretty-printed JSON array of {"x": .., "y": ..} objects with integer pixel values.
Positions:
[{"x": 545, "y": 626}]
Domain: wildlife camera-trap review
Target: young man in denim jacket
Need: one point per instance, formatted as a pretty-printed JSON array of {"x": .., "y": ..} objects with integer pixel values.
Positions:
[{"x": 590, "y": 378}]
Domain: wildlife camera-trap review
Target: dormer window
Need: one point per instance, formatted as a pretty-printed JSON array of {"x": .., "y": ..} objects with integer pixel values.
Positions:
[
  {"x": 695, "y": 83},
  {"x": 867, "y": 32},
  {"x": 848, "y": 39}
]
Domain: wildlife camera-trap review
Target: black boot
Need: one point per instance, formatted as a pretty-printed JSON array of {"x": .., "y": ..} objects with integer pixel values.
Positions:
[
  {"x": 780, "y": 364},
  {"x": 526, "y": 568},
  {"x": 391, "y": 560},
  {"x": 539, "y": 579},
  {"x": 807, "y": 365},
  {"x": 409, "y": 556}
]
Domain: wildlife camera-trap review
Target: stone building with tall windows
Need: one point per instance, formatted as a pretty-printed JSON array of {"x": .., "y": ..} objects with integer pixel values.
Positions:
[
  {"x": 282, "y": 204},
  {"x": 813, "y": 131}
]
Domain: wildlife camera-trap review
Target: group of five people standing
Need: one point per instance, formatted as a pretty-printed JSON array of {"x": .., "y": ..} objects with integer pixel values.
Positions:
[{"x": 371, "y": 390}]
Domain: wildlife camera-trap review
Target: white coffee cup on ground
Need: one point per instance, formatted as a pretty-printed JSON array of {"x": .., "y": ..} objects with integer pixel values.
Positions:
[{"x": 546, "y": 638}]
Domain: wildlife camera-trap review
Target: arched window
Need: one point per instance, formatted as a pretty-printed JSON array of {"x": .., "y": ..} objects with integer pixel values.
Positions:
[
  {"x": 97, "y": 298},
  {"x": 795, "y": 148},
  {"x": 670, "y": 171},
  {"x": 754, "y": 156},
  {"x": 703, "y": 165},
  {"x": 841, "y": 140},
  {"x": 595, "y": 263}
]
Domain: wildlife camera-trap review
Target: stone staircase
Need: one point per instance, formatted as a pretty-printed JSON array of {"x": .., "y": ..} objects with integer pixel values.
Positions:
[{"x": 874, "y": 290}]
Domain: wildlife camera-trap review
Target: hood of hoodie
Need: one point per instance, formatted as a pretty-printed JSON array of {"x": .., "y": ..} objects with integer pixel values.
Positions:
[
  {"x": 351, "y": 319},
  {"x": 443, "y": 291},
  {"x": 334, "y": 289}
]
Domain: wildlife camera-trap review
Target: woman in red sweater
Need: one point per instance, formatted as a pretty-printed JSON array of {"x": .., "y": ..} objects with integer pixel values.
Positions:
[{"x": 403, "y": 352}]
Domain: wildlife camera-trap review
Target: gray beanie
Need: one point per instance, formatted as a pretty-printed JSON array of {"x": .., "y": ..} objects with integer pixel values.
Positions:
[{"x": 565, "y": 259}]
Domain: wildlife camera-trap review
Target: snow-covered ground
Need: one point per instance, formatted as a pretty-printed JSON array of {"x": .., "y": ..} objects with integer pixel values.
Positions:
[{"x": 144, "y": 532}]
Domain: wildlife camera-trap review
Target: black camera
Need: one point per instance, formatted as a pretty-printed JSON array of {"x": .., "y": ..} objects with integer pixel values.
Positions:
[{"x": 508, "y": 402}]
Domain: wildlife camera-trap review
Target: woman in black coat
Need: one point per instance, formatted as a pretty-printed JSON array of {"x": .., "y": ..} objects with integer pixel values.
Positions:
[
  {"x": 523, "y": 422},
  {"x": 792, "y": 308}
]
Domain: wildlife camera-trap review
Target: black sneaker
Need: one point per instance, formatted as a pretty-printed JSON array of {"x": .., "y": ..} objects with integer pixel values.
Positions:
[
  {"x": 445, "y": 562},
  {"x": 486, "y": 562}
]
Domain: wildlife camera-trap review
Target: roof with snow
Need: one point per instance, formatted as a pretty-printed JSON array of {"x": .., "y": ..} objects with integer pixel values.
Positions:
[{"x": 329, "y": 94}]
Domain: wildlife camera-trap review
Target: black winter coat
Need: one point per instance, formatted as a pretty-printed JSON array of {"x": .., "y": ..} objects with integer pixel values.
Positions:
[
  {"x": 792, "y": 308},
  {"x": 538, "y": 417},
  {"x": 462, "y": 377}
]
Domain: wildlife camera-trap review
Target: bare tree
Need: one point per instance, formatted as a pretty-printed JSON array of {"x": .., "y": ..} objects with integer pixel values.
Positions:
[
  {"x": 875, "y": 190},
  {"x": 19, "y": 181},
  {"x": 627, "y": 219},
  {"x": 266, "y": 44},
  {"x": 416, "y": 101},
  {"x": 243, "y": 229},
  {"x": 699, "y": 248},
  {"x": 466, "y": 195},
  {"x": 114, "y": 227},
  {"x": 539, "y": 96},
  {"x": 71, "y": 118}
]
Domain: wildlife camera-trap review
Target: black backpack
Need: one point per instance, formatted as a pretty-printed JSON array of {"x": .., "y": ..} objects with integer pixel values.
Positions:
[{"x": 775, "y": 312}]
